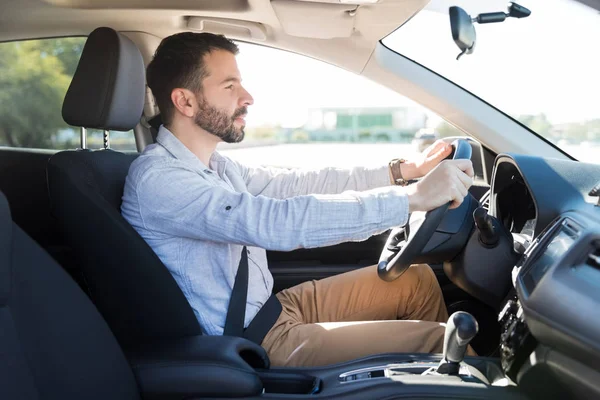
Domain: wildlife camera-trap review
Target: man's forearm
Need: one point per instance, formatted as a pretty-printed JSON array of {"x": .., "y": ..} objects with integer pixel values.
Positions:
[{"x": 325, "y": 181}]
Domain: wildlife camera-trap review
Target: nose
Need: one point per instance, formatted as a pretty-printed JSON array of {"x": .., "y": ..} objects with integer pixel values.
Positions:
[{"x": 246, "y": 98}]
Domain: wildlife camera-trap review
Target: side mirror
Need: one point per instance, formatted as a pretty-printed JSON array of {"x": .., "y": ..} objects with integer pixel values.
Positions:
[{"x": 463, "y": 30}]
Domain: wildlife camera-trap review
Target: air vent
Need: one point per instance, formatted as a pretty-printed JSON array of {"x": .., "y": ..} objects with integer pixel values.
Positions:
[{"x": 485, "y": 201}]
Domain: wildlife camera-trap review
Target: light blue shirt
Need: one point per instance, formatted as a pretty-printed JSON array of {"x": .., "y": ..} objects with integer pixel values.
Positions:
[{"x": 197, "y": 218}]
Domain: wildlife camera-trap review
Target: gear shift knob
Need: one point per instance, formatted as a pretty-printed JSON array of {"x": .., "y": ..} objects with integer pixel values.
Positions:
[{"x": 460, "y": 329}]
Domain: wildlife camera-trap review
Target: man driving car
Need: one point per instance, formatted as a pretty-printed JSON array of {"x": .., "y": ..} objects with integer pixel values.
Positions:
[{"x": 203, "y": 214}]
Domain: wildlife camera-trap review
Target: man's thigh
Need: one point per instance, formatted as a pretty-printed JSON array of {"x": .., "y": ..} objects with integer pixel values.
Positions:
[
  {"x": 360, "y": 295},
  {"x": 329, "y": 343}
]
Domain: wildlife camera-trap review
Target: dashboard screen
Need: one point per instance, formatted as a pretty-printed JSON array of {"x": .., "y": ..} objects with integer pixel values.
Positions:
[{"x": 560, "y": 243}]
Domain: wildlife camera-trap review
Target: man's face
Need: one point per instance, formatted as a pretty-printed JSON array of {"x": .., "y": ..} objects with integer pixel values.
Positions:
[{"x": 223, "y": 102}]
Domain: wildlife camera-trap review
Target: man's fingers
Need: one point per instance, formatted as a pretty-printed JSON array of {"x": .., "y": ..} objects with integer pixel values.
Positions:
[
  {"x": 460, "y": 190},
  {"x": 448, "y": 182},
  {"x": 455, "y": 204},
  {"x": 466, "y": 166},
  {"x": 444, "y": 151},
  {"x": 464, "y": 191},
  {"x": 433, "y": 150},
  {"x": 470, "y": 172},
  {"x": 464, "y": 179},
  {"x": 438, "y": 145},
  {"x": 454, "y": 192}
]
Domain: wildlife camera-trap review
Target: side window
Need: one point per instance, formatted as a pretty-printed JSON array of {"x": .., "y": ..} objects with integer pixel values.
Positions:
[
  {"x": 308, "y": 113},
  {"x": 34, "y": 77}
]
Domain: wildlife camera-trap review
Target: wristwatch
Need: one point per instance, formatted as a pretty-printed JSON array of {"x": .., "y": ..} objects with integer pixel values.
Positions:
[{"x": 397, "y": 171}]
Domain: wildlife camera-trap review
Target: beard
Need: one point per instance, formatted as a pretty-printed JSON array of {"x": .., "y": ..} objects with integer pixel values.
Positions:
[{"x": 218, "y": 122}]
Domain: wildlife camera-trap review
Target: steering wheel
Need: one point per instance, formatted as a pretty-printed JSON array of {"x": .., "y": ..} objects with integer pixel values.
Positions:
[{"x": 406, "y": 243}]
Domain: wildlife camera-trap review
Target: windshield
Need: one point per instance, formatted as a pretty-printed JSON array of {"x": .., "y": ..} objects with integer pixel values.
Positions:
[{"x": 543, "y": 70}]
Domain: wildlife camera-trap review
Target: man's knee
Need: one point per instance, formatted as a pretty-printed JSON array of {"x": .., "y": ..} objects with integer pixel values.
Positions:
[
  {"x": 421, "y": 276},
  {"x": 434, "y": 342}
]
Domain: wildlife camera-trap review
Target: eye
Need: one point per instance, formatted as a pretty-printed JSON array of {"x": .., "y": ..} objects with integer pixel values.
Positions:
[{"x": 229, "y": 87}]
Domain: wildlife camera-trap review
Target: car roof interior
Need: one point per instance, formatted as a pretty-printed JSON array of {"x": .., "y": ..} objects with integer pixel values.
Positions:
[{"x": 294, "y": 25}]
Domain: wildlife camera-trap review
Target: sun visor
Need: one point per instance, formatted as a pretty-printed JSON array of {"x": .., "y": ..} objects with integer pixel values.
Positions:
[
  {"x": 315, "y": 20},
  {"x": 229, "y": 27}
]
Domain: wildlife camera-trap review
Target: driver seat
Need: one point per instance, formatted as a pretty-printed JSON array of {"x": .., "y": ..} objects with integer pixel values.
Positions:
[{"x": 128, "y": 283}]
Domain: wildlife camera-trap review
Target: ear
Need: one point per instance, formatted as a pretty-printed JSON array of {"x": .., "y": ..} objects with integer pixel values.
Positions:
[{"x": 184, "y": 101}]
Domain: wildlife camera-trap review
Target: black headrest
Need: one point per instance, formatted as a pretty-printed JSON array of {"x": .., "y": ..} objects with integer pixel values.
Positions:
[{"x": 108, "y": 89}]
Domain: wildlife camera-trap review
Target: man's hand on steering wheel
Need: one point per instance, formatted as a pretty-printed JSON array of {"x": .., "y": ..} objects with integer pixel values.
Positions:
[
  {"x": 444, "y": 187},
  {"x": 423, "y": 163},
  {"x": 448, "y": 182}
]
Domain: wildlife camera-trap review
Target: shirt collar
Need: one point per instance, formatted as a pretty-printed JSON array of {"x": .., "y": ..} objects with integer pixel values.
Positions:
[{"x": 169, "y": 141}]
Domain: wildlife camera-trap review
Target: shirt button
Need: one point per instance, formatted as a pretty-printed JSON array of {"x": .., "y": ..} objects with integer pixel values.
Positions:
[
  {"x": 208, "y": 171},
  {"x": 228, "y": 208}
]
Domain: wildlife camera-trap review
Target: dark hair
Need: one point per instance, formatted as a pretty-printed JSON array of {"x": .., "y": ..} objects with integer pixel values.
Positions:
[{"x": 179, "y": 63}]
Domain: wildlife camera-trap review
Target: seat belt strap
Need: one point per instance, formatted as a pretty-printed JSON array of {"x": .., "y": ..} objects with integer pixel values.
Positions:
[{"x": 236, "y": 312}]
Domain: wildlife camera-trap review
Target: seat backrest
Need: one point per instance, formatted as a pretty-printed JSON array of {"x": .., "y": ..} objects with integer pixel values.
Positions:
[
  {"x": 53, "y": 342},
  {"x": 129, "y": 284}
]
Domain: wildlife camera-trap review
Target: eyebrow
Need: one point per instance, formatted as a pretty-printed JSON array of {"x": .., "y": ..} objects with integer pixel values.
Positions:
[{"x": 230, "y": 79}]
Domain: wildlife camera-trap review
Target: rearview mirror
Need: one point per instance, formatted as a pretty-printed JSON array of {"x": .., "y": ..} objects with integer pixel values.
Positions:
[{"x": 463, "y": 31}]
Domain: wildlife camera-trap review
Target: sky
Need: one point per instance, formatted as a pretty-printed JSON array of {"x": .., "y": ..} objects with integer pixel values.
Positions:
[{"x": 546, "y": 63}]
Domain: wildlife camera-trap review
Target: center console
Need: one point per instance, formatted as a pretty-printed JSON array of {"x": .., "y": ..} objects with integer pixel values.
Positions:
[
  {"x": 226, "y": 367},
  {"x": 516, "y": 342},
  {"x": 409, "y": 376}
]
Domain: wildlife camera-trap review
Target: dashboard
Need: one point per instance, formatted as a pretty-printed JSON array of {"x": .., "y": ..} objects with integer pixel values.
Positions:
[{"x": 551, "y": 316}]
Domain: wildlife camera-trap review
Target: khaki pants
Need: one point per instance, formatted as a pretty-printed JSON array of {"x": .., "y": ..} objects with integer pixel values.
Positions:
[{"x": 357, "y": 314}]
